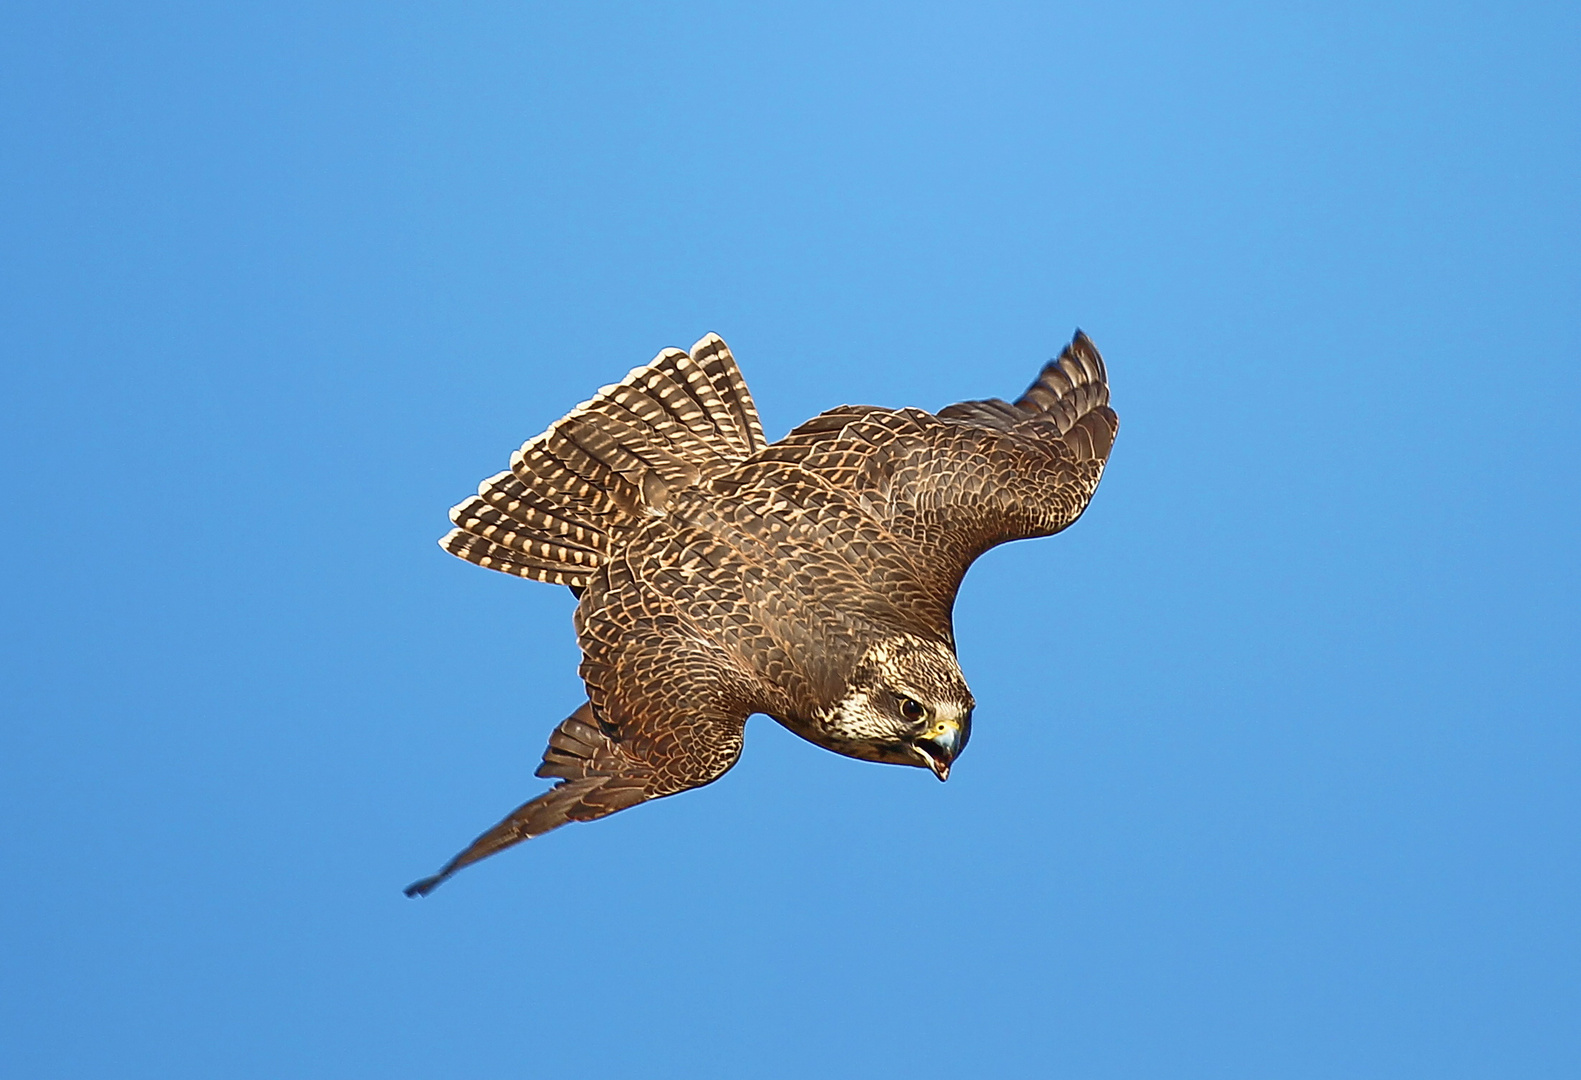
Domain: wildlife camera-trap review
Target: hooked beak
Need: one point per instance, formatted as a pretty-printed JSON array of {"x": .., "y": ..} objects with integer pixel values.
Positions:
[
  {"x": 940, "y": 746},
  {"x": 941, "y": 769}
]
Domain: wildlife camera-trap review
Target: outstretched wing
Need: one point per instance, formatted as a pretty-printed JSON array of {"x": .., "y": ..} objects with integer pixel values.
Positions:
[
  {"x": 952, "y": 485},
  {"x": 595, "y": 780},
  {"x": 665, "y": 713},
  {"x": 1008, "y": 472}
]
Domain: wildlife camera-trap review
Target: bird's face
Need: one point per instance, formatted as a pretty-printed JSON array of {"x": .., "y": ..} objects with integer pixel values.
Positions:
[{"x": 907, "y": 704}]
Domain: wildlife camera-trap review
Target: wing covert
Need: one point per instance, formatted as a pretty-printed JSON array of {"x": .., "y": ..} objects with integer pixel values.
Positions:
[{"x": 979, "y": 473}]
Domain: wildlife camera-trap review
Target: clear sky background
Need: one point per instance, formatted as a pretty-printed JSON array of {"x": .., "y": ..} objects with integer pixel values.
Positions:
[{"x": 1277, "y": 750}]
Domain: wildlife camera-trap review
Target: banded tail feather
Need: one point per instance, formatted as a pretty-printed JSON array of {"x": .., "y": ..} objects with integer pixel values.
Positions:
[
  {"x": 573, "y": 492},
  {"x": 714, "y": 356}
]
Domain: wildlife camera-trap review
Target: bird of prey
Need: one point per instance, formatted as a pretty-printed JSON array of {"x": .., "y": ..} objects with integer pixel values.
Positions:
[{"x": 812, "y": 579}]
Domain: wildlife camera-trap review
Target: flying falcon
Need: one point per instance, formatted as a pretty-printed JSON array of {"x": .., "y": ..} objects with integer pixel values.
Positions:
[{"x": 812, "y": 579}]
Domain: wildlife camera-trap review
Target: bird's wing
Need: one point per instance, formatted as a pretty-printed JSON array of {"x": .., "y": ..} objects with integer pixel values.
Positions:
[
  {"x": 980, "y": 473},
  {"x": 665, "y": 713}
]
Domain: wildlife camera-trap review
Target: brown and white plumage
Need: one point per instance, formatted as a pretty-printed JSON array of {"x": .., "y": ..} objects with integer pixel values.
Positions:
[{"x": 812, "y": 579}]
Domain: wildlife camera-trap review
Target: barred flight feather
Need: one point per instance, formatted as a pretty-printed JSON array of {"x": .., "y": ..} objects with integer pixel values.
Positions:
[{"x": 1069, "y": 388}]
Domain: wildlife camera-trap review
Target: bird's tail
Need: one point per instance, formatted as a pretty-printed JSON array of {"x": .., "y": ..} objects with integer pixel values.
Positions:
[{"x": 572, "y": 493}]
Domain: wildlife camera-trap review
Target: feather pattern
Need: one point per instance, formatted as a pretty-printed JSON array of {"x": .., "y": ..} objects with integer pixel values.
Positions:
[
  {"x": 720, "y": 576},
  {"x": 573, "y": 494}
]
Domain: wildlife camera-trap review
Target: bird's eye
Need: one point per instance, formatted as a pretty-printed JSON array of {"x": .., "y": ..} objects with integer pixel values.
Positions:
[{"x": 912, "y": 709}]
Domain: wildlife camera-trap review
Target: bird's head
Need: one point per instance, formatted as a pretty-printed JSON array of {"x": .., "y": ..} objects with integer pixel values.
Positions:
[{"x": 906, "y": 704}]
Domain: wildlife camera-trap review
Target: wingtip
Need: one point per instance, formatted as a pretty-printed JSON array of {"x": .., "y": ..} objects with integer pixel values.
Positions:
[
  {"x": 419, "y": 889},
  {"x": 1082, "y": 348}
]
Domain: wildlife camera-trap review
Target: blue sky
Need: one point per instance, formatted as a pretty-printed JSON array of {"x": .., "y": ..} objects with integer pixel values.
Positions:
[{"x": 1275, "y": 767}]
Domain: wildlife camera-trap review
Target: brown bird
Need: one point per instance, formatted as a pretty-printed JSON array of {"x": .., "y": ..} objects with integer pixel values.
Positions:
[{"x": 812, "y": 579}]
